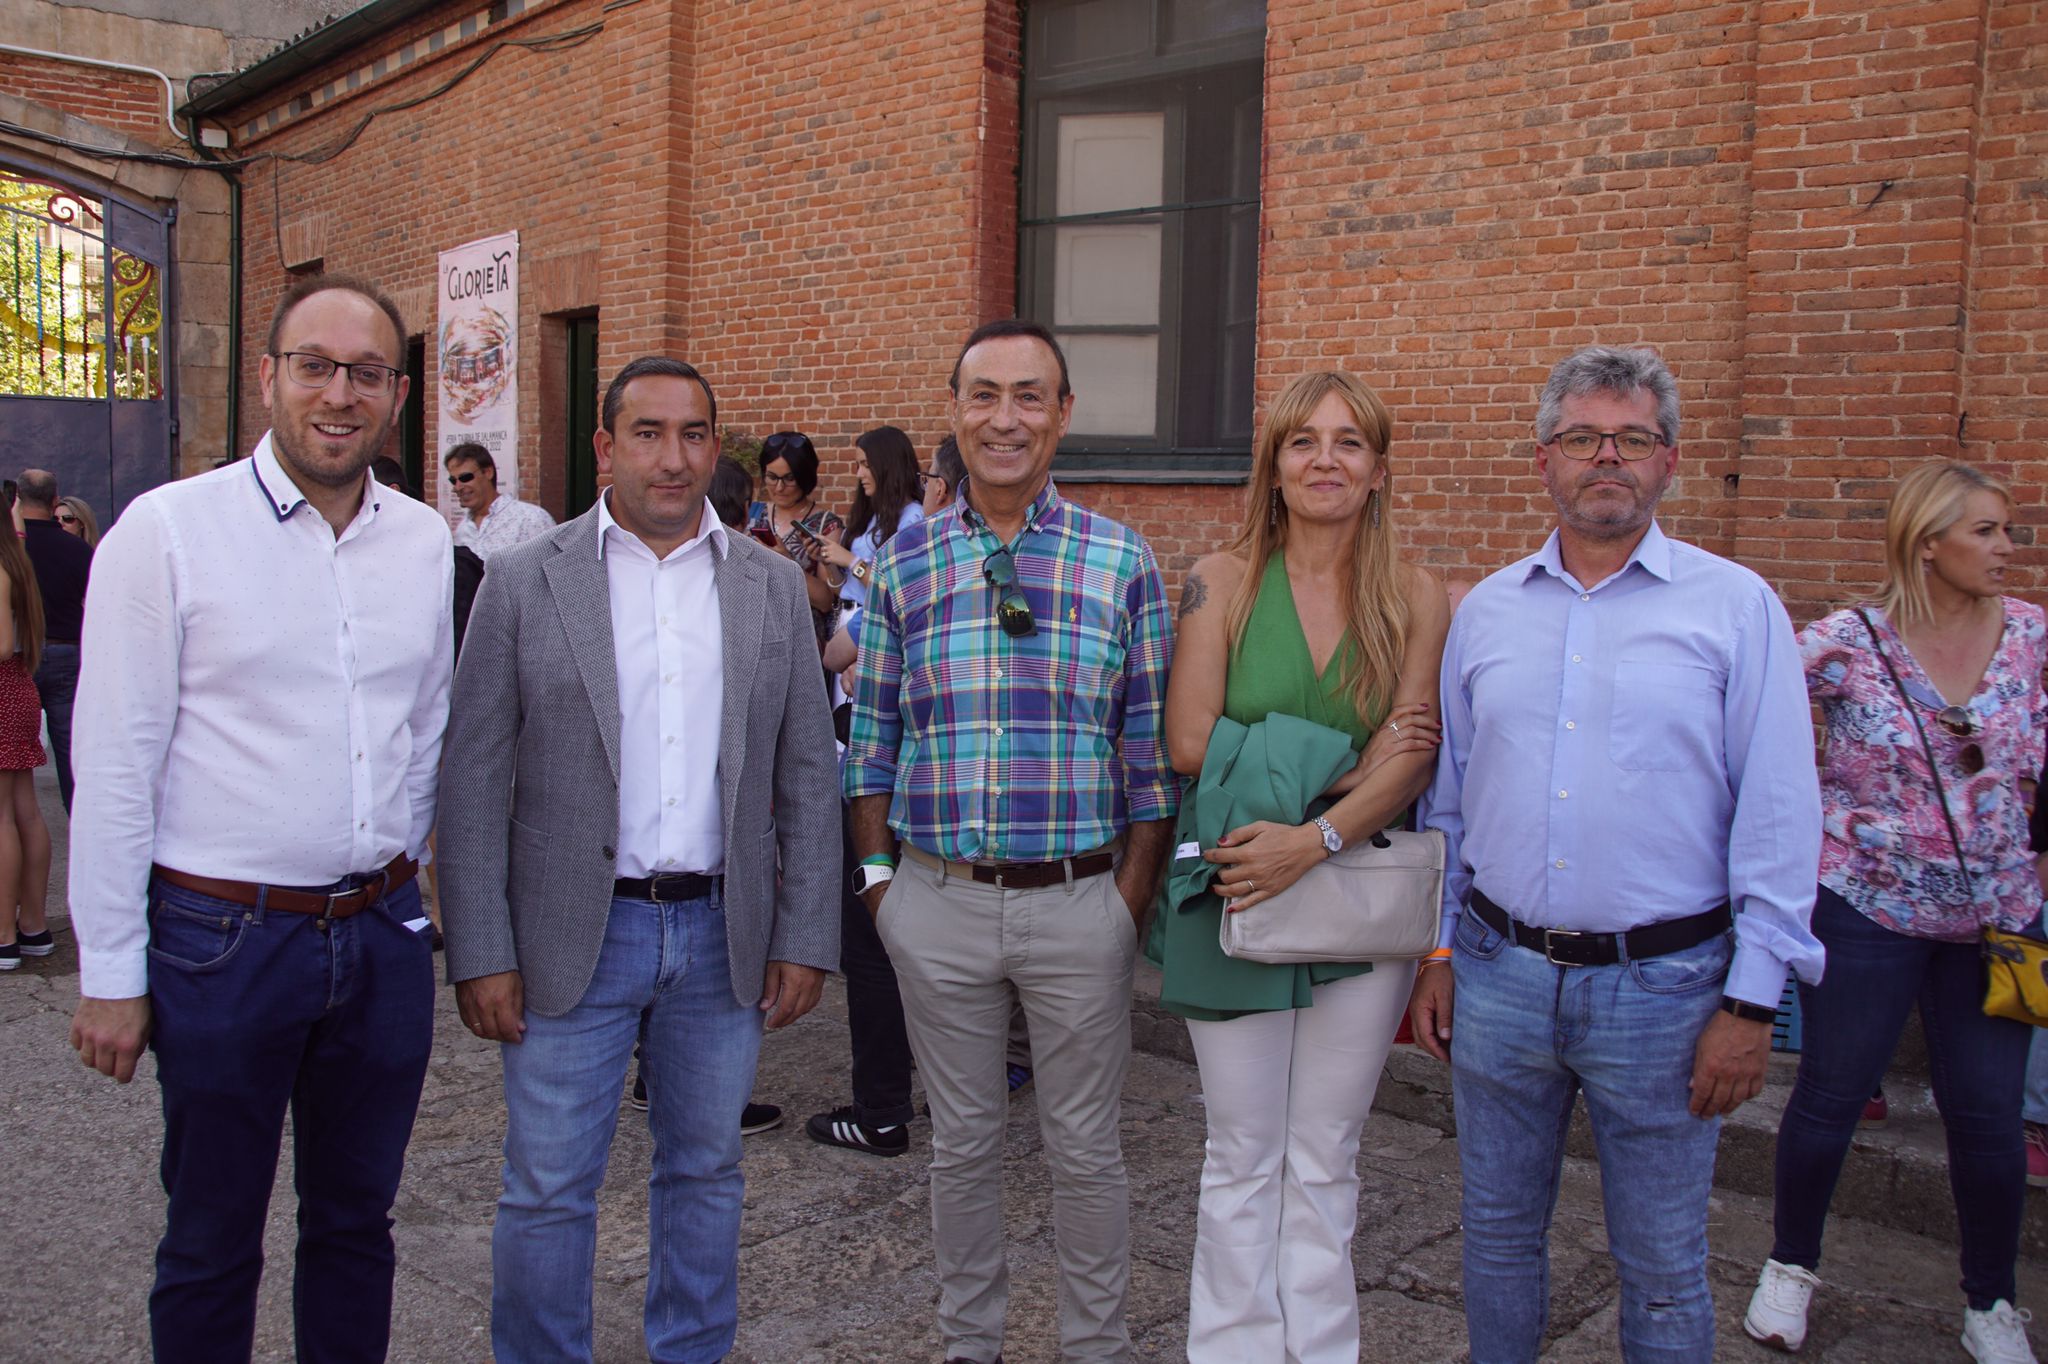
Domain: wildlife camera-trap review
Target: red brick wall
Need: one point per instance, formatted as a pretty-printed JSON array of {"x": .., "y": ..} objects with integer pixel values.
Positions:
[
  {"x": 516, "y": 145},
  {"x": 1827, "y": 215},
  {"x": 127, "y": 103}
]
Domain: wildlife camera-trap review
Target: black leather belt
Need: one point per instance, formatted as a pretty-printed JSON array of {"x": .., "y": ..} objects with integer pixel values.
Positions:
[
  {"x": 1018, "y": 875},
  {"x": 681, "y": 885},
  {"x": 1568, "y": 947}
]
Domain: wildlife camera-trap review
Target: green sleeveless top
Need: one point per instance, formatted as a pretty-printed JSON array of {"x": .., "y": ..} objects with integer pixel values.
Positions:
[{"x": 1271, "y": 671}]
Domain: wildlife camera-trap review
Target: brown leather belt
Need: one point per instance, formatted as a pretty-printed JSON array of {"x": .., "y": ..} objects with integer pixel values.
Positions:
[
  {"x": 1018, "y": 875},
  {"x": 338, "y": 904}
]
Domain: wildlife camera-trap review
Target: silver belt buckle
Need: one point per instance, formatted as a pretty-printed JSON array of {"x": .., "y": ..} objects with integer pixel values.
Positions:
[{"x": 1551, "y": 956}]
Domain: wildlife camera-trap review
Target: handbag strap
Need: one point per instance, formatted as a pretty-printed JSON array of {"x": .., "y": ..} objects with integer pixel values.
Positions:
[{"x": 1933, "y": 768}]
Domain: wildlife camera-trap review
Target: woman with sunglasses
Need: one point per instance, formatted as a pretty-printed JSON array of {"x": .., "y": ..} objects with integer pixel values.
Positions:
[
  {"x": 75, "y": 516},
  {"x": 1311, "y": 612},
  {"x": 886, "y": 501},
  {"x": 1916, "y": 859},
  {"x": 791, "y": 521}
]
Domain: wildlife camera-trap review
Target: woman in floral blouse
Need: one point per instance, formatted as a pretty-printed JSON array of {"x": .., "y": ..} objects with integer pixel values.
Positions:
[{"x": 1900, "y": 916}]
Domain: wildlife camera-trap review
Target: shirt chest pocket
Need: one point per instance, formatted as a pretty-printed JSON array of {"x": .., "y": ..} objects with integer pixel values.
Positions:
[{"x": 1666, "y": 716}]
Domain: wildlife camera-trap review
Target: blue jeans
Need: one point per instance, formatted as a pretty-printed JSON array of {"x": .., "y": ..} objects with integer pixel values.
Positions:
[
  {"x": 1978, "y": 1065},
  {"x": 254, "y": 1011},
  {"x": 662, "y": 980},
  {"x": 1528, "y": 1037},
  {"x": 57, "y": 684}
]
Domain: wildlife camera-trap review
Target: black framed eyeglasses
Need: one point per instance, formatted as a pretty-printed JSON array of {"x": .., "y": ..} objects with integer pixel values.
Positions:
[
  {"x": 779, "y": 480},
  {"x": 1584, "y": 443},
  {"x": 1013, "y": 613},
  {"x": 308, "y": 370}
]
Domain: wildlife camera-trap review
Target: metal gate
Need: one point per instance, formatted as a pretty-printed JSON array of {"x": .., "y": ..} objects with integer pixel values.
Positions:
[{"x": 85, "y": 369}]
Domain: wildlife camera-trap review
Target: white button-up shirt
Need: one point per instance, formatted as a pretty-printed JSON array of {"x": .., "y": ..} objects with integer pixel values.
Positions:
[
  {"x": 259, "y": 699},
  {"x": 670, "y": 650},
  {"x": 507, "y": 522}
]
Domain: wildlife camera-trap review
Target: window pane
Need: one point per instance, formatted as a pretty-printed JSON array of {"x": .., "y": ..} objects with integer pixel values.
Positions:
[
  {"x": 1197, "y": 21},
  {"x": 1110, "y": 161},
  {"x": 138, "y": 360},
  {"x": 1121, "y": 377},
  {"x": 1106, "y": 274},
  {"x": 53, "y": 271},
  {"x": 1091, "y": 31}
]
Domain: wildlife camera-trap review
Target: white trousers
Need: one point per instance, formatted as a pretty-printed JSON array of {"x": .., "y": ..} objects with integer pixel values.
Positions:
[{"x": 1287, "y": 1093}]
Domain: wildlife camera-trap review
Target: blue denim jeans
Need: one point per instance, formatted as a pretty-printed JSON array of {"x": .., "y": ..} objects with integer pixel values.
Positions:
[
  {"x": 1528, "y": 1037},
  {"x": 1978, "y": 1065},
  {"x": 662, "y": 980},
  {"x": 255, "y": 1011},
  {"x": 57, "y": 684}
]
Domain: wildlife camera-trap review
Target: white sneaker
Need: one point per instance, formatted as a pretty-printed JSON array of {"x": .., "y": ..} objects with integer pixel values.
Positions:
[
  {"x": 1998, "y": 1336},
  {"x": 1777, "y": 1310}
]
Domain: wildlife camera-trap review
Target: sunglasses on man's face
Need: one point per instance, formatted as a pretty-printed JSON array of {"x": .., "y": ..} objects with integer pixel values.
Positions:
[
  {"x": 462, "y": 478},
  {"x": 1013, "y": 613}
]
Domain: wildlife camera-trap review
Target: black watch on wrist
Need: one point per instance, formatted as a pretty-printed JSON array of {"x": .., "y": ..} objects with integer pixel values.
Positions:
[{"x": 1747, "y": 1012}]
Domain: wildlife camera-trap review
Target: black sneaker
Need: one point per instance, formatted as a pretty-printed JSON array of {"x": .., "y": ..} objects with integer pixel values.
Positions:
[
  {"x": 638, "y": 1096},
  {"x": 756, "y": 1118},
  {"x": 36, "y": 944},
  {"x": 838, "y": 1128},
  {"x": 10, "y": 956},
  {"x": 1018, "y": 1076}
]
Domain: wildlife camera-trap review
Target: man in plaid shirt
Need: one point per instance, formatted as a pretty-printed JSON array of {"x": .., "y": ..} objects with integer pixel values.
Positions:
[{"x": 1008, "y": 744}]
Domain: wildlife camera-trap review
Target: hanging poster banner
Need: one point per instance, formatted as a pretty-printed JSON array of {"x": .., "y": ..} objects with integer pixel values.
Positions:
[{"x": 477, "y": 355}]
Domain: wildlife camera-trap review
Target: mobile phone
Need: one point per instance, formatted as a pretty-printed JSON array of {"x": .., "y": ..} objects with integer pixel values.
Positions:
[
  {"x": 763, "y": 534},
  {"x": 813, "y": 531}
]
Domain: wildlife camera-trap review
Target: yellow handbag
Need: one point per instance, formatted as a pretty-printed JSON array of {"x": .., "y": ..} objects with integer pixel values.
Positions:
[
  {"x": 2015, "y": 966},
  {"x": 2018, "y": 970}
]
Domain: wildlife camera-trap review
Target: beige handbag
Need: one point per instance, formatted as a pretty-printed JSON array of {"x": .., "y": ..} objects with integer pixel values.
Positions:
[{"x": 1381, "y": 899}]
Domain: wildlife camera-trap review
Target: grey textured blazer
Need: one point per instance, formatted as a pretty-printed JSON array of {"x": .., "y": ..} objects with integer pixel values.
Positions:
[{"x": 529, "y": 817}]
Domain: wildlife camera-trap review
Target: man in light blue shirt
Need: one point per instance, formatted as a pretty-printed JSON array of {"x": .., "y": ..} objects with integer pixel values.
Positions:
[{"x": 1628, "y": 792}]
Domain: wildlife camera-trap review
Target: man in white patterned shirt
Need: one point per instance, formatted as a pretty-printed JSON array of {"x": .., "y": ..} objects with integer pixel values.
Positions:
[
  {"x": 259, "y": 728},
  {"x": 490, "y": 521}
]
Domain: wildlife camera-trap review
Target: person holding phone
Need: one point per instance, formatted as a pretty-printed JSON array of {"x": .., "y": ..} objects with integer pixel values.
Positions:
[
  {"x": 885, "y": 468},
  {"x": 794, "y": 521}
]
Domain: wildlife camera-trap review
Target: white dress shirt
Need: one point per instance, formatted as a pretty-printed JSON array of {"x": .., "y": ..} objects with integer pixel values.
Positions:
[
  {"x": 507, "y": 522},
  {"x": 670, "y": 649},
  {"x": 260, "y": 699}
]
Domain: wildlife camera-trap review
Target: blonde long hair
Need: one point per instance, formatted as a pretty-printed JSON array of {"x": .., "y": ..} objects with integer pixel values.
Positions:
[
  {"x": 1927, "y": 502},
  {"x": 1376, "y": 614}
]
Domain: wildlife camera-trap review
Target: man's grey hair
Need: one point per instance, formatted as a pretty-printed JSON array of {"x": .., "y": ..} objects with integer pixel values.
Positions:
[
  {"x": 1620, "y": 371},
  {"x": 38, "y": 486}
]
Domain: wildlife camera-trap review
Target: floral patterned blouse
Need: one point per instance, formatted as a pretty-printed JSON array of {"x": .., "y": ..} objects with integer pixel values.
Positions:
[{"x": 1886, "y": 849}]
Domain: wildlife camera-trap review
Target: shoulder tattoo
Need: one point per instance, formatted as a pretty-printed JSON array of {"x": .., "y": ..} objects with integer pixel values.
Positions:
[{"x": 1194, "y": 593}]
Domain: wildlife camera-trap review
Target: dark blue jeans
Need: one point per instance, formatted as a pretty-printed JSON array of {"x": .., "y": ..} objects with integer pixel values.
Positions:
[
  {"x": 1978, "y": 1065},
  {"x": 57, "y": 681},
  {"x": 874, "y": 1009},
  {"x": 255, "y": 1011}
]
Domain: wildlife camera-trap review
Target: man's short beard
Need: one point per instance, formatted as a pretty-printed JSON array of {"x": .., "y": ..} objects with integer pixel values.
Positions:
[{"x": 283, "y": 442}]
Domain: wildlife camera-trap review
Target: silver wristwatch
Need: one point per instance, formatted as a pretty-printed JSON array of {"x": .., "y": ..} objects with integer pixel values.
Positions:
[{"x": 1332, "y": 840}]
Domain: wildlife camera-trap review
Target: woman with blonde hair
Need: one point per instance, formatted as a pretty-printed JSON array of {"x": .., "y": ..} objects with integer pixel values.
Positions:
[
  {"x": 1931, "y": 698},
  {"x": 24, "y": 838},
  {"x": 1311, "y": 612},
  {"x": 74, "y": 514}
]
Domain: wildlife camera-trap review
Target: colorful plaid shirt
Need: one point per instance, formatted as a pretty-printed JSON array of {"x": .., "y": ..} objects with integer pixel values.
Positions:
[{"x": 994, "y": 748}]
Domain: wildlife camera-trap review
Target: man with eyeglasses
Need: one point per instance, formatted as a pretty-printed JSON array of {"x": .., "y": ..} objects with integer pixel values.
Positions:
[
  {"x": 1007, "y": 745},
  {"x": 267, "y": 657},
  {"x": 491, "y": 522},
  {"x": 1627, "y": 788}
]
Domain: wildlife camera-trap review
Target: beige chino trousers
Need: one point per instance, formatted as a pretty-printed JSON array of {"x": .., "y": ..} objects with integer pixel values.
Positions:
[{"x": 964, "y": 952}]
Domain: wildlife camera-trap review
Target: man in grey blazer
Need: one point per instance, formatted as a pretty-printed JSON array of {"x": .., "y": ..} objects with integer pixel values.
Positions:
[{"x": 639, "y": 757}]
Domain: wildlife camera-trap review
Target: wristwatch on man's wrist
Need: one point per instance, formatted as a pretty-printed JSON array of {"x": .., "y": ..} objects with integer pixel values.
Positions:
[
  {"x": 868, "y": 875},
  {"x": 1748, "y": 1012},
  {"x": 1333, "y": 841}
]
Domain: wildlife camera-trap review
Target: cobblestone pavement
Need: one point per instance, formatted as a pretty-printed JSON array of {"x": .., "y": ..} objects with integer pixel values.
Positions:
[{"x": 836, "y": 1263}]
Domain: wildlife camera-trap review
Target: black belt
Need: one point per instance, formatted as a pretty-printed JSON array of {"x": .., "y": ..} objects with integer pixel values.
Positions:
[
  {"x": 678, "y": 885},
  {"x": 1568, "y": 947}
]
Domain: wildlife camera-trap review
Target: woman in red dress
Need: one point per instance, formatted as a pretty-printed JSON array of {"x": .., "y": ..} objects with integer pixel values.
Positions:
[{"x": 24, "y": 838}]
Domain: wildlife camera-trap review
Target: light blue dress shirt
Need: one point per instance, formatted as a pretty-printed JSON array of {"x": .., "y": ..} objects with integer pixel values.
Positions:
[{"x": 1630, "y": 752}]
